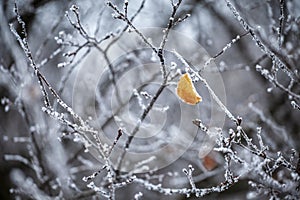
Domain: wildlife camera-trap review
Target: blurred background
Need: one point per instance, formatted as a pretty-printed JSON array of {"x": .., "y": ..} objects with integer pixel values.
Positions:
[{"x": 38, "y": 149}]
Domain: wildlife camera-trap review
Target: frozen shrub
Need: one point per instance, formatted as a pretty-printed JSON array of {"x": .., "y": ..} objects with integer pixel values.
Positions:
[{"x": 89, "y": 108}]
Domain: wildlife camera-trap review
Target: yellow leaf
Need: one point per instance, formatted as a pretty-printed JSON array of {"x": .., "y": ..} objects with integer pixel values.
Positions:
[{"x": 186, "y": 90}]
